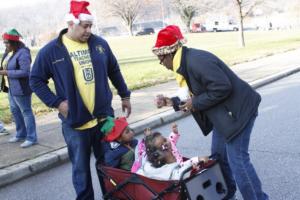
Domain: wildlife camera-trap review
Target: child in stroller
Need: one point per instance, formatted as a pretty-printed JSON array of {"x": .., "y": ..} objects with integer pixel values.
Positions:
[
  {"x": 170, "y": 143},
  {"x": 118, "y": 144},
  {"x": 161, "y": 163}
]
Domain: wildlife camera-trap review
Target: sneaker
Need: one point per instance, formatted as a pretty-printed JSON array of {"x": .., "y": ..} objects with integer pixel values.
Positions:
[
  {"x": 27, "y": 143},
  {"x": 3, "y": 131},
  {"x": 15, "y": 139}
]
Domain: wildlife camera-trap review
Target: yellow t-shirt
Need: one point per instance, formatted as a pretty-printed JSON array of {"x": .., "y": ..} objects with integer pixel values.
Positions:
[
  {"x": 84, "y": 75},
  {"x": 4, "y": 64}
]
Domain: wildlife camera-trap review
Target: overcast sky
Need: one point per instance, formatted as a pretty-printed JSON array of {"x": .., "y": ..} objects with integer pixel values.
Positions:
[{"x": 16, "y": 3}]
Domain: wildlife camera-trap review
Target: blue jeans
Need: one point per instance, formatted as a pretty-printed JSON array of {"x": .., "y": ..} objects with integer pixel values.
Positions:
[
  {"x": 80, "y": 143},
  {"x": 1, "y": 126},
  {"x": 20, "y": 107},
  {"x": 236, "y": 165}
]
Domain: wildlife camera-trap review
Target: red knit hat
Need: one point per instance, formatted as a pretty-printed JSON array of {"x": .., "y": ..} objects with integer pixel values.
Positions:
[
  {"x": 117, "y": 130},
  {"x": 168, "y": 40},
  {"x": 12, "y": 35},
  {"x": 79, "y": 12}
]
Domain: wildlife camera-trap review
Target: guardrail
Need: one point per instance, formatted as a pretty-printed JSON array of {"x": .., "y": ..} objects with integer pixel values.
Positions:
[{"x": 136, "y": 59}]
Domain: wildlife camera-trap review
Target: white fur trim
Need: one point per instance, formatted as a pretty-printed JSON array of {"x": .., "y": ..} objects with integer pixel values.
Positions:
[
  {"x": 82, "y": 17},
  {"x": 85, "y": 17}
]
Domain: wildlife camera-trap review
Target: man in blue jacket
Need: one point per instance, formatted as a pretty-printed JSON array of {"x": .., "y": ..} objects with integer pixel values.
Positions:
[
  {"x": 220, "y": 102},
  {"x": 80, "y": 63}
]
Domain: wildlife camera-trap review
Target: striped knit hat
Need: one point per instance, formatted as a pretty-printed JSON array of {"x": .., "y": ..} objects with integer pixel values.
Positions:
[
  {"x": 168, "y": 40},
  {"x": 113, "y": 128},
  {"x": 12, "y": 35}
]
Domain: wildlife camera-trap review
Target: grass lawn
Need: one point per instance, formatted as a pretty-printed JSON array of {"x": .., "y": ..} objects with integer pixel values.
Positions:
[{"x": 145, "y": 73}]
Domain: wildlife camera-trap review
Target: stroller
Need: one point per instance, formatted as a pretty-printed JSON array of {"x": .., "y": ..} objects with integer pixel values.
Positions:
[{"x": 207, "y": 183}]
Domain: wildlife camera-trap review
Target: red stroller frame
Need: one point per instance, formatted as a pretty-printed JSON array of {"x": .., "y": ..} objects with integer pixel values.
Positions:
[{"x": 206, "y": 184}]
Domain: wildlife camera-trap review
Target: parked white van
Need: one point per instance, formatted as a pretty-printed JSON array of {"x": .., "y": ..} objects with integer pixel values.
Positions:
[{"x": 216, "y": 26}]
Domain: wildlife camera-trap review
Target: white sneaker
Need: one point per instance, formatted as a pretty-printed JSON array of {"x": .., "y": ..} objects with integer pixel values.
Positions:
[
  {"x": 15, "y": 139},
  {"x": 27, "y": 143},
  {"x": 3, "y": 131}
]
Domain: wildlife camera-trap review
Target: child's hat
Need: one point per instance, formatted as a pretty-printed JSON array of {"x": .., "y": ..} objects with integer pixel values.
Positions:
[
  {"x": 12, "y": 35},
  {"x": 113, "y": 128},
  {"x": 169, "y": 39},
  {"x": 79, "y": 12}
]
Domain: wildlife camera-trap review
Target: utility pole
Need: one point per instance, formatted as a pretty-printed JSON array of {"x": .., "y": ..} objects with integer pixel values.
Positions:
[{"x": 162, "y": 11}]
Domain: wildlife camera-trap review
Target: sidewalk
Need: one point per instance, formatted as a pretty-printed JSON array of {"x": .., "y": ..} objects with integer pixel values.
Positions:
[{"x": 17, "y": 163}]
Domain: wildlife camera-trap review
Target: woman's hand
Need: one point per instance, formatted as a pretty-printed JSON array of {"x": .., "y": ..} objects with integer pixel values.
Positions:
[
  {"x": 160, "y": 101},
  {"x": 187, "y": 106}
]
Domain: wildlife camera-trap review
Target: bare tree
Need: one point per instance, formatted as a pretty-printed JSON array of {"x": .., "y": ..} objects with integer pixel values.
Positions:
[
  {"x": 188, "y": 9},
  {"x": 245, "y": 7},
  {"x": 127, "y": 10}
]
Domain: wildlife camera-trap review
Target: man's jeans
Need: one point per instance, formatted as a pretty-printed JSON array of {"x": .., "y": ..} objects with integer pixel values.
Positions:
[
  {"x": 80, "y": 143},
  {"x": 236, "y": 165},
  {"x": 20, "y": 107}
]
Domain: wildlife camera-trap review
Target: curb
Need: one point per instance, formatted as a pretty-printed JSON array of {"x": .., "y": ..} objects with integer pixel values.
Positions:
[{"x": 30, "y": 167}]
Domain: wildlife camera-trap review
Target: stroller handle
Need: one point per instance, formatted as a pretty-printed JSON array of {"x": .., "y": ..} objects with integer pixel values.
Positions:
[{"x": 212, "y": 160}]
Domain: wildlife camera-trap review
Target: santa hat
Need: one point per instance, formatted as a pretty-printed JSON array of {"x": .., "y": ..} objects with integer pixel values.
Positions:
[
  {"x": 12, "y": 35},
  {"x": 113, "y": 128},
  {"x": 168, "y": 40},
  {"x": 79, "y": 12}
]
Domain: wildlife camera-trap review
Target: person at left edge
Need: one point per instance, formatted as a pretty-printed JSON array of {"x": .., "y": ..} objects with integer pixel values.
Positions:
[
  {"x": 80, "y": 63},
  {"x": 15, "y": 68}
]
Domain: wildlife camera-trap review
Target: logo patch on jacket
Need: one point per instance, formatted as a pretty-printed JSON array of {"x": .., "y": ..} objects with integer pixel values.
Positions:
[
  {"x": 88, "y": 74},
  {"x": 100, "y": 49}
]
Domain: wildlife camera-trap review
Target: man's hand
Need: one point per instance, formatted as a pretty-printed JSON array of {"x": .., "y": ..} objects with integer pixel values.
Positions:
[
  {"x": 126, "y": 105},
  {"x": 3, "y": 72},
  {"x": 187, "y": 106},
  {"x": 63, "y": 108}
]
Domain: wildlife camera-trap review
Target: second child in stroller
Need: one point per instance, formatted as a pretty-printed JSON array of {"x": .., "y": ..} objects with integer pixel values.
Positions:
[
  {"x": 161, "y": 163},
  {"x": 170, "y": 143}
]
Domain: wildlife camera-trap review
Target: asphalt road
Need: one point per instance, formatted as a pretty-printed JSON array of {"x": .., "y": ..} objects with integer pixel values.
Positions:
[{"x": 274, "y": 150}]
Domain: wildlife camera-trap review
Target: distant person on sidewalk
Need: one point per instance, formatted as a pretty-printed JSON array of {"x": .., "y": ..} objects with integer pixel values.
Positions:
[
  {"x": 119, "y": 143},
  {"x": 220, "y": 102},
  {"x": 15, "y": 68},
  {"x": 80, "y": 64}
]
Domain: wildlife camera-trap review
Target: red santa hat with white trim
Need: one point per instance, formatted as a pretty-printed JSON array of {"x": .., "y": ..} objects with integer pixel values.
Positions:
[
  {"x": 79, "y": 12},
  {"x": 169, "y": 39}
]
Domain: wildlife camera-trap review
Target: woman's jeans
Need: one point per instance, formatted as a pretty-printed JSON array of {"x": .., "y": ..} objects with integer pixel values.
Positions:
[
  {"x": 80, "y": 144},
  {"x": 1, "y": 126},
  {"x": 236, "y": 165},
  {"x": 20, "y": 107}
]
